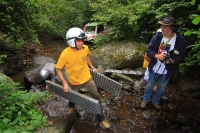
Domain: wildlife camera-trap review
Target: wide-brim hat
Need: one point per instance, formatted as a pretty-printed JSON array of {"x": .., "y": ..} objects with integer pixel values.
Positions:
[{"x": 168, "y": 21}]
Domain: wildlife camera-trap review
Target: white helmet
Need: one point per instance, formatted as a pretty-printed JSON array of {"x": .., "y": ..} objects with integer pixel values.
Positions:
[
  {"x": 74, "y": 33},
  {"x": 44, "y": 74}
]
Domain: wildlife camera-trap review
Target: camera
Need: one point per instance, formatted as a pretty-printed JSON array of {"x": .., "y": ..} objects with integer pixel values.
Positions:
[{"x": 168, "y": 63}]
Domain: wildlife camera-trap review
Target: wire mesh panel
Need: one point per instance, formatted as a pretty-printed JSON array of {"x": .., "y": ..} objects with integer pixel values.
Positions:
[
  {"x": 86, "y": 102},
  {"x": 107, "y": 84}
]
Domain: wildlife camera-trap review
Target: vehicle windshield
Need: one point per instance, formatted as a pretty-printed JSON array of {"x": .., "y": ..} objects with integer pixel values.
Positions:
[{"x": 90, "y": 28}]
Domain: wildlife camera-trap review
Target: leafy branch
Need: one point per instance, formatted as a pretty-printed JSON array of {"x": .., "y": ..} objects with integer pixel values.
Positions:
[
  {"x": 193, "y": 57},
  {"x": 17, "y": 108}
]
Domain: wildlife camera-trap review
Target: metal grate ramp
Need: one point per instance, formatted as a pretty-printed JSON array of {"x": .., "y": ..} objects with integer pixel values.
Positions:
[
  {"x": 107, "y": 84},
  {"x": 86, "y": 102}
]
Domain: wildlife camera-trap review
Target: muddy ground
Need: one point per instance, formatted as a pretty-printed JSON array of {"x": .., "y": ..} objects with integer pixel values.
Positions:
[{"x": 180, "y": 110}]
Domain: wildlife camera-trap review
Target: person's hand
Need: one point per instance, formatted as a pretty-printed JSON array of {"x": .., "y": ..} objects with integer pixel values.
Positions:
[
  {"x": 94, "y": 70},
  {"x": 47, "y": 87},
  {"x": 172, "y": 60},
  {"x": 160, "y": 56},
  {"x": 65, "y": 87}
]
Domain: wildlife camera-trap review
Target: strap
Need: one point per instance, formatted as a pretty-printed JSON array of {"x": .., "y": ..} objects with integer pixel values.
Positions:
[
  {"x": 168, "y": 40},
  {"x": 165, "y": 42}
]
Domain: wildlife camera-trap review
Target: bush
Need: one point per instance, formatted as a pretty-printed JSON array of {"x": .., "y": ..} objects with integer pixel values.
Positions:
[
  {"x": 101, "y": 39},
  {"x": 17, "y": 108},
  {"x": 193, "y": 58}
]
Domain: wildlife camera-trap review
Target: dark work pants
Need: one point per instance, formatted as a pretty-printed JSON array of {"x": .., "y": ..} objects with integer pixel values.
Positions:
[{"x": 92, "y": 90}]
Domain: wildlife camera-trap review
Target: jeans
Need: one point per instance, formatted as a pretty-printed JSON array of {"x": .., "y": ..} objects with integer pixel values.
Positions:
[{"x": 161, "y": 86}]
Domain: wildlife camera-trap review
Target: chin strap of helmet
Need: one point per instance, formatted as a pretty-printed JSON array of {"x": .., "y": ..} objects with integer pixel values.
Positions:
[
  {"x": 70, "y": 38},
  {"x": 76, "y": 47},
  {"x": 75, "y": 44}
]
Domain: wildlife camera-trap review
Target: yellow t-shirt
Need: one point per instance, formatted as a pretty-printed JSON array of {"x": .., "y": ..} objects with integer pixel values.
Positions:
[{"x": 75, "y": 63}]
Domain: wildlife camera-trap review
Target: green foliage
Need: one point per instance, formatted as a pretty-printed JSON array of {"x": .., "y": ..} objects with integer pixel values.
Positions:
[
  {"x": 57, "y": 16},
  {"x": 17, "y": 22},
  {"x": 101, "y": 39},
  {"x": 175, "y": 8},
  {"x": 131, "y": 18},
  {"x": 123, "y": 15},
  {"x": 193, "y": 57},
  {"x": 17, "y": 108},
  {"x": 1, "y": 57},
  {"x": 22, "y": 21}
]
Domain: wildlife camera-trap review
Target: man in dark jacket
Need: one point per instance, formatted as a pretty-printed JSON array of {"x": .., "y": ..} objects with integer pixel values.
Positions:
[{"x": 166, "y": 50}]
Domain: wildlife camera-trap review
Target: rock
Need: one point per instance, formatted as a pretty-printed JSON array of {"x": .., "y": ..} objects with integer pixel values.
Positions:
[
  {"x": 42, "y": 60},
  {"x": 117, "y": 55},
  {"x": 56, "y": 107},
  {"x": 32, "y": 75},
  {"x": 122, "y": 78},
  {"x": 146, "y": 114},
  {"x": 123, "y": 122},
  {"x": 171, "y": 106},
  {"x": 164, "y": 98},
  {"x": 16, "y": 60},
  {"x": 57, "y": 126},
  {"x": 5, "y": 79},
  {"x": 127, "y": 87}
]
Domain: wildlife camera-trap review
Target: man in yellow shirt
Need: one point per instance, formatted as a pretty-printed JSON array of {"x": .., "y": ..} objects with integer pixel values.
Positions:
[{"x": 75, "y": 59}]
